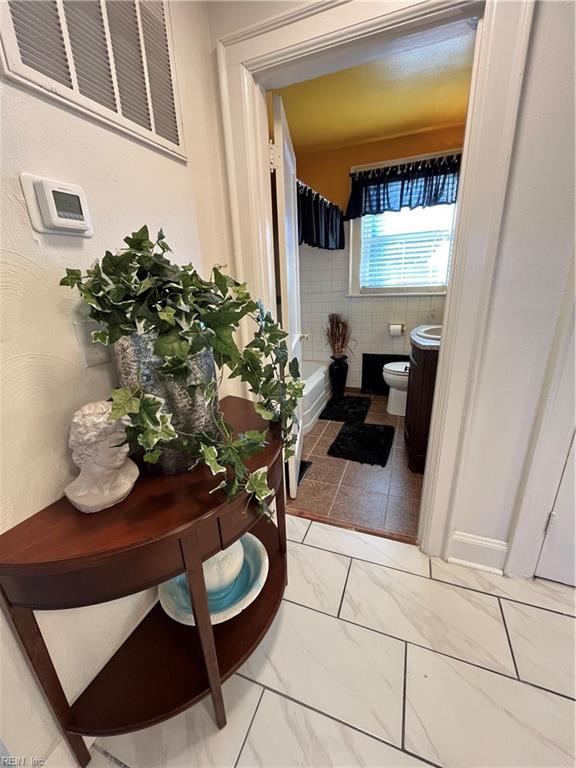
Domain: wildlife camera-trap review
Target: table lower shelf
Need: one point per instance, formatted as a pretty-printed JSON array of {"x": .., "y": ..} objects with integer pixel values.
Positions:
[{"x": 158, "y": 671}]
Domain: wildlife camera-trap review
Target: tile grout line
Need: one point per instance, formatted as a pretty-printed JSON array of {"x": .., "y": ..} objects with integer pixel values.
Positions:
[
  {"x": 245, "y": 739},
  {"x": 433, "y": 578},
  {"x": 108, "y": 755},
  {"x": 344, "y": 590},
  {"x": 334, "y": 719},
  {"x": 431, "y": 650},
  {"x": 508, "y": 637},
  {"x": 338, "y": 489},
  {"x": 404, "y": 694}
]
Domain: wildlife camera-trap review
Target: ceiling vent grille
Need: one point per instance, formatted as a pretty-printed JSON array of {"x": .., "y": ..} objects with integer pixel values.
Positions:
[{"x": 111, "y": 58}]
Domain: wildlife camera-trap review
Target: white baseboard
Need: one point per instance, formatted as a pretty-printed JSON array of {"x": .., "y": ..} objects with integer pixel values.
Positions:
[{"x": 477, "y": 551}]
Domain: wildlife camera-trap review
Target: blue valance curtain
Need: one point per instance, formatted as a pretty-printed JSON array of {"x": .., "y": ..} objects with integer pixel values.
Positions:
[
  {"x": 421, "y": 183},
  {"x": 320, "y": 222}
]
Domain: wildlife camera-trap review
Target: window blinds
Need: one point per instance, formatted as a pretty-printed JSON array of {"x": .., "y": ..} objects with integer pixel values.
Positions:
[{"x": 407, "y": 250}]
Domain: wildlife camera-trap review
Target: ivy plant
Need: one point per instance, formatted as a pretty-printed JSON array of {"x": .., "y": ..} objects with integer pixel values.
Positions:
[{"x": 139, "y": 290}]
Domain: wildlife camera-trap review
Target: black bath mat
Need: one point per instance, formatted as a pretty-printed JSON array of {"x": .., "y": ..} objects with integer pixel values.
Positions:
[
  {"x": 366, "y": 443},
  {"x": 346, "y": 409}
]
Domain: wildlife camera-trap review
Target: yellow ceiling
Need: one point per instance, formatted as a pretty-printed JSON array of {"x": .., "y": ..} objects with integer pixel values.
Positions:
[{"x": 418, "y": 83}]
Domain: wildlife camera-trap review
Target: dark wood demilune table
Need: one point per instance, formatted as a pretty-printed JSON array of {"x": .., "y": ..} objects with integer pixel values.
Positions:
[{"x": 62, "y": 558}]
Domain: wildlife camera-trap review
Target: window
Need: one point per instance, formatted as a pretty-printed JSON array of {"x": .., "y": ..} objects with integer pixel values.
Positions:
[
  {"x": 407, "y": 251},
  {"x": 110, "y": 58}
]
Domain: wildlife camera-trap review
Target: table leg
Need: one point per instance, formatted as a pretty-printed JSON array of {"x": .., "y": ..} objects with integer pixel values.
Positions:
[
  {"x": 25, "y": 627},
  {"x": 281, "y": 517},
  {"x": 197, "y": 586}
]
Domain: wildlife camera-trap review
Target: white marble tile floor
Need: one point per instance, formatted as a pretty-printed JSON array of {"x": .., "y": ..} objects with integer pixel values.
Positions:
[{"x": 380, "y": 658}]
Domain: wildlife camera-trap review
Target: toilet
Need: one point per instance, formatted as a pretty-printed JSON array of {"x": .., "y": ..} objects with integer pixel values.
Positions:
[{"x": 396, "y": 376}]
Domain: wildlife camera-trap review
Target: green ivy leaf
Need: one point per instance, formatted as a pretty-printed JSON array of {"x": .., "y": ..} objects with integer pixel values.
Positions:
[
  {"x": 294, "y": 368},
  {"x": 152, "y": 456},
  {"x": 223, "y": 344},
  {"x": 167, "y": 433},
  {"x": 73, "y": 277},
  {"x": 261, "y": 410},
  {"x": 123, "y": 403},
  {"x": 102, "y": 336},
  {"x": 220, "y": 281},
  {"x": 176, "y": 367},
  {"x": 149, "y": 412},
  {"x": 168, "y": 314},
  {"x": 258, "y": 484},
  {"x": 171, "y": 344},
  {"x": 210, "y": 455}
]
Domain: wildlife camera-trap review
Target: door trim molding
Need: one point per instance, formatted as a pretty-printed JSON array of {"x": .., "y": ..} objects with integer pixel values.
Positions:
[
  {"x": 281, "y": 20},
  {"x": 344, "y": 33},
  {"x": 549, "y": 447}
]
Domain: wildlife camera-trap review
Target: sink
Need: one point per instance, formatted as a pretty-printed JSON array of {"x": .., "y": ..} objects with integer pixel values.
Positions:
[{"x": 433, "y": 332}]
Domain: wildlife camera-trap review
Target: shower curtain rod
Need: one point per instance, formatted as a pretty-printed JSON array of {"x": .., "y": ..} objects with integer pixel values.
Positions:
[{"x": 314, "y": 192}]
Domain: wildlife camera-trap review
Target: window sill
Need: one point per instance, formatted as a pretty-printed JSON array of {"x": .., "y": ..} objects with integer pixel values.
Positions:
[{"x": 394, "y": 293}]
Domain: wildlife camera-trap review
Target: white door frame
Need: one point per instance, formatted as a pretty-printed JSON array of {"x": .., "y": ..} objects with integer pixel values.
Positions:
[
  {"x": 332, "y": 34},
  {"x": 552, "y": 436}
]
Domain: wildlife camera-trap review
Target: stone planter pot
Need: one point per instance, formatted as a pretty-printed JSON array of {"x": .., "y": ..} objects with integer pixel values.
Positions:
[{"x": 137, "y": 365}]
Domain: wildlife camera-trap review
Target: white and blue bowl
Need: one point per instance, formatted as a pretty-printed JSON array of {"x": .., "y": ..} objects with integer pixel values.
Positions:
[{"x": 229, "y": 600}]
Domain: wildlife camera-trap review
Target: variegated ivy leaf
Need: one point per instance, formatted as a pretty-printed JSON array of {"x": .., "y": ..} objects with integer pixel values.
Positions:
[
  {"x": 210, "y": 455},
  {"x": 258, "y": 484},
  {"x": 123, "y": 403},
  {"x": 168, "y": 314},
  {"x": 101, "y": 336},
  {"x": 167, "y": 431},
  {"x": 143, "y": 325},
  {"x": 149, "y": 413}
]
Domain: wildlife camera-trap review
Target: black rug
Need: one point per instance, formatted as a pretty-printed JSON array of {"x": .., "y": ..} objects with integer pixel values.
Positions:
[
  {"x": 366, "y": 443},
  {"x": 346, "y": 409}
]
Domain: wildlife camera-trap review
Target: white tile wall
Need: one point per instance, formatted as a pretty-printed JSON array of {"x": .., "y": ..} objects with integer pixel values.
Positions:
[{"x": 323, "y": 289}]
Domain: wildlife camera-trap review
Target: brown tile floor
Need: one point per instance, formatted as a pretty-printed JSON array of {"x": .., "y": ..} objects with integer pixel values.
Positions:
[{"x": 384, "y": 500}]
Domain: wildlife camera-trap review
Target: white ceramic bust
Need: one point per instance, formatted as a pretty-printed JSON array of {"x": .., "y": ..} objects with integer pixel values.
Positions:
[{"x": 107, "y": 475}]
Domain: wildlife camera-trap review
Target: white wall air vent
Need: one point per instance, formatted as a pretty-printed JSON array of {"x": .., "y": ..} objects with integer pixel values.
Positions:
[
  {"x": 87, "y": 34},
  {"x": 158, "y": 58},
  {"x": 109, "y": 58},
  {"x": 40, "y": 41},
  {"x": 127, "y": 50}
]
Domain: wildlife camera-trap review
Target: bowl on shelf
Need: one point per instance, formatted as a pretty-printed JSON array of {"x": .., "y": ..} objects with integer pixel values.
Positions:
[{"x": 227, "y": 599}]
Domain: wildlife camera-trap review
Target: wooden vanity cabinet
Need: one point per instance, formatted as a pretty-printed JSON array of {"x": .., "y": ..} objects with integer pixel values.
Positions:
[{"x": 421, "y": 381}]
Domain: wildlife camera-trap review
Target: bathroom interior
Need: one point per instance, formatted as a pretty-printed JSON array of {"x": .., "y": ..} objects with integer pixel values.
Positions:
[{"x": 378, "y": 256}]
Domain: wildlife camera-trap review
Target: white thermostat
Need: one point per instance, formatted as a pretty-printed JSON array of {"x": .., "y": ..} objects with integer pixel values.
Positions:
[{"x": 56, "y": 207}]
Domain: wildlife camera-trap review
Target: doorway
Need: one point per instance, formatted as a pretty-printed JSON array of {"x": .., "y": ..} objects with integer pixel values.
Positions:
[
  {"x": 396, "y": 126},
  {"x": 330, "y": 38}
]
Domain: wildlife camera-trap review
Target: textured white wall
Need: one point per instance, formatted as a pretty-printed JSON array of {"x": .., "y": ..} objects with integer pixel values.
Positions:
[
  {"x": 42, "y": 378},
  {"x": 536, "y": 247},
  {"x": 227, "y": 16},
  {"x": 324, "y": 288}
]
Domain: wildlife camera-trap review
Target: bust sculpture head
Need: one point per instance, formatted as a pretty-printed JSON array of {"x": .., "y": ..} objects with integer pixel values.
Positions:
[{"x": 107, "y": 475}]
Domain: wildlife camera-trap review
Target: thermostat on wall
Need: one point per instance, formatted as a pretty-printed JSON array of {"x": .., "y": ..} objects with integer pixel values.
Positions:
[{"x": 56, "y": 207}]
